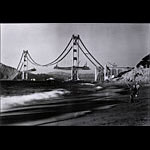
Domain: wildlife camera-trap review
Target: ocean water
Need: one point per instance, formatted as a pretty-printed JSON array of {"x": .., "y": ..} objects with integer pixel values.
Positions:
[{"x": 28, "y": 103}]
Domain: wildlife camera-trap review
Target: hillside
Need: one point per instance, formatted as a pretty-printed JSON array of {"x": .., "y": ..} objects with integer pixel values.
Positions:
[
  {"x": 7, "y": 72},
  {"x": 138, "y": 74},
  {"x": 141, "y": 73},
  {"x": 10, "y": 73}
]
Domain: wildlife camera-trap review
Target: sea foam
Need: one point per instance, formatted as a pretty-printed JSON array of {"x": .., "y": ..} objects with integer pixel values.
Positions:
[{"x": 13, "y": 101}]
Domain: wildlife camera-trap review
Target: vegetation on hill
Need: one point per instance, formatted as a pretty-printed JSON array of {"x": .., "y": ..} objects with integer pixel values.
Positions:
[
  {"x": 141, "y": 73},
  {"x": 7, "y": 72}
]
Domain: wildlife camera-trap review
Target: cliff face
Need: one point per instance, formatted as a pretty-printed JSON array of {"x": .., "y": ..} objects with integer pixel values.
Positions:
[{"x": 7, "y": 72}]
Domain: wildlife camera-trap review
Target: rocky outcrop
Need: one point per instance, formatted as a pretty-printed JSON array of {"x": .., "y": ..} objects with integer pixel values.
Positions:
[{"x": 7, "y": 72}]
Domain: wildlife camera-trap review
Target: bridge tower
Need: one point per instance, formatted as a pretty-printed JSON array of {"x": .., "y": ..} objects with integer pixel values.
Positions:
[
  {"x": 25, "y": 66},
  {"x": 75, "y": 61}
]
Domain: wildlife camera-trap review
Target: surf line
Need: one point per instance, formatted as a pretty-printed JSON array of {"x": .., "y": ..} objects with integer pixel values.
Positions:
[
  {"x": 74, "y": 115},
  {"x": 57, "y": 119}
]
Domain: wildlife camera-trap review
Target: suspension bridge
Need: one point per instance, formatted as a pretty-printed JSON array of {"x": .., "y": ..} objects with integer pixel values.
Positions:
[{"x": 74, "y": 46}]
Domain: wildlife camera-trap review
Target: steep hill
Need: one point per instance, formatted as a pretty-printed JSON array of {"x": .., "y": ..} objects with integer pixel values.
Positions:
[
  {"x": 137, "y": 74},
  {"x": 7, "y": 72},
  {"x": 140, "y": 73}
]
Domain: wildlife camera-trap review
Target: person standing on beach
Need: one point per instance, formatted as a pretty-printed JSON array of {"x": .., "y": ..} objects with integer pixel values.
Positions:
[{"x": 134, "y": 91}]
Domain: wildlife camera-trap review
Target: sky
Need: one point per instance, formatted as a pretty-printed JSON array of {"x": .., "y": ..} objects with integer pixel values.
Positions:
[{"x": 123, "y": 44}]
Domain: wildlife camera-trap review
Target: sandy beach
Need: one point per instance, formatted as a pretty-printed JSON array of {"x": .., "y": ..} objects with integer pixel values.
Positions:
[
  {"x": 124, "y": 114},
  {"x": 112, "y": 110}
]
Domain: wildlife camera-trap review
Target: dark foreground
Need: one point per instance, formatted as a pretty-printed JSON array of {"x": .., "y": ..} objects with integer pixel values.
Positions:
[
  {"x": 81, "y": 105},
  {"x": 124, "y": 114},
  {"x": 121, "y": 115}
]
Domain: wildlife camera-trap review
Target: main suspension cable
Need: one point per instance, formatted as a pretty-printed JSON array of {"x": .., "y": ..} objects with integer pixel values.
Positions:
[
  {"x": 51, "y": 63},
  {"x": 32, "y": 62},
  {"x": 62, "y": 57},
  {"x": 86, "y": 55},
  {"x": 60, "y": 54},
  {"x": 90, "y": 53}
]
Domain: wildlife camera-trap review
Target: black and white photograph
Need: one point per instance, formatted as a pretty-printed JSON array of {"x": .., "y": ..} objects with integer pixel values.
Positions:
[{"x": 74, "y": 74}]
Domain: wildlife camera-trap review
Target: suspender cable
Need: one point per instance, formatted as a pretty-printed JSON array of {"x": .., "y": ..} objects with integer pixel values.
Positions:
[
  {"x": 90, "y": 53},
  {"x": 51, "y": 63}
]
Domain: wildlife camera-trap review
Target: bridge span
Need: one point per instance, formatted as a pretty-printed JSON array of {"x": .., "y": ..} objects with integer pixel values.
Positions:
[{"x": 75, "y": 45}]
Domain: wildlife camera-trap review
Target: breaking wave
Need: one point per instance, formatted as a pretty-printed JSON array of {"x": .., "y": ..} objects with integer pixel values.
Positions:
[
  {"x": 13, "y": 101},
  {"x": 90, "y": 84},
  {"x": 98, "y": 87}
]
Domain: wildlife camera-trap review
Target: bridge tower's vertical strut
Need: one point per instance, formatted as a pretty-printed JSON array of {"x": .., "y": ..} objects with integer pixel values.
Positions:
[
  {"x": 75, "y": 61},
  {"x": 25, "y": 66}
]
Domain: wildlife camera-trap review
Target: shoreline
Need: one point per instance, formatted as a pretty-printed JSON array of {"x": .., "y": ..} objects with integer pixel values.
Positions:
[
  {"x": 119, "y": 115},
  {"x": 123, "y": 114}
]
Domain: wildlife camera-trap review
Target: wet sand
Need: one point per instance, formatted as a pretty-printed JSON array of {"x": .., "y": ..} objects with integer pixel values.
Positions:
[{"x": 124, "y": 114}]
